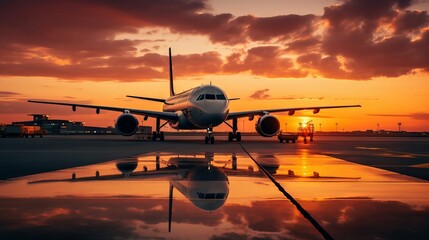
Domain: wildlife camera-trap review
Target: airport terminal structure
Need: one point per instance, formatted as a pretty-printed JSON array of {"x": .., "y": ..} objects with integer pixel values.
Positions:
[{"x": 61, "y": 126}]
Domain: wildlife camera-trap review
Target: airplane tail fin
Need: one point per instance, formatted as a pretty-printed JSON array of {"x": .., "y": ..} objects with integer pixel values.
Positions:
[{"x": 171, "y": 73}]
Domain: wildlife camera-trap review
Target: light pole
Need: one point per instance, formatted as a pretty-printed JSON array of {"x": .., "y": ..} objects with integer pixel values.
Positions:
[
  {"x": 378, "y": 127},
  {"x": 336, "y": 127},
  {"x": 320, "y": 127},
  {"x": 399, "y": 126},
  {"x": 285, "y": 127}
]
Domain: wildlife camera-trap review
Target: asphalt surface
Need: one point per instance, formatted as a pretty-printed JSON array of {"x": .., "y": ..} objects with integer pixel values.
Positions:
[{"x": 20, "y": 157}]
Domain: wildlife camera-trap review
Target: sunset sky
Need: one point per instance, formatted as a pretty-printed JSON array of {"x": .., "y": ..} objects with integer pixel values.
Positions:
[{"x": 271, "y": 54}]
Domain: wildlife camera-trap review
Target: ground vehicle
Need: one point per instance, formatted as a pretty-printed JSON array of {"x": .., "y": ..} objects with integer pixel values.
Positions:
[
  {"x": 306, "y": 130},
  {"x": 21, "y": 131},
  {"x": 287, "y": 137},
  {"x": 144, "y": 133}
]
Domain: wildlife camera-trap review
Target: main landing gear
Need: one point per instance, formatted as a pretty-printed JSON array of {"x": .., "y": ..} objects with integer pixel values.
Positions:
[
  {"x": 209, "y": 138},
  {"x": 158, "y": 134},
  {"x": 234, "y": 134}
]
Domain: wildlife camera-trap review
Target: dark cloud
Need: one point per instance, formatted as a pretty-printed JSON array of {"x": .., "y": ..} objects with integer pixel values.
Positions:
[
  {"x": 265, "y": 61},
  {"x": 77, "y": 40},
  {"x": 416, "y": 116},
  {"x": 299, "y": 98},
  {"x": 388, "y": 115},
  {"x": 230, "y": 235},
  {"x": 6, "y": 94},
  {"x": 420, "y": 116},
  {"x": 304, "y": 44},
  {"x": 261, "y": 94},
  {"x": 130, "y": 217},
  {"x": 411, "y": 21},
  {"x": 308, "y": 113},
  {"x": 284, "y": 27},
  {"x": 23, "y": 107},
  {"x": 80, "y": 72},
  {"x": 357, "y": 48},
  {"x": 355, "y": 39},
  {"x": 193, "y": 64},
  {"x": 346, "y": 217},
  {"x": 366, "y": 99},
  {"x": 233, "y": 32}
]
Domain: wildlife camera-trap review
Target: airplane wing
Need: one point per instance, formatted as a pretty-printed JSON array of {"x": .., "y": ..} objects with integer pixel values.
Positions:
[
  {"x": 158, "y": 174},
  {"x": 259, "y": 174},
  {"x": 170, "y": 116},
  {"x": 167, "y": 173},
  {"x": 147, "y": 98},
  {"x": 291, "y": 111}
]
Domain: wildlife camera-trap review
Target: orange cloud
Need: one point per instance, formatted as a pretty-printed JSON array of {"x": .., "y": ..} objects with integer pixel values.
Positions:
[{"x": 260, "y": 94}]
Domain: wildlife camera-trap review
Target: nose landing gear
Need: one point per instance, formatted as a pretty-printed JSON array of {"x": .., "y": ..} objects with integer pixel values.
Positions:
[{"x": 209, "y": 138}]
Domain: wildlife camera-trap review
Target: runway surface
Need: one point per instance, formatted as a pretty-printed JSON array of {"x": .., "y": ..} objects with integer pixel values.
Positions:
[{"x": 110, "y": 187}]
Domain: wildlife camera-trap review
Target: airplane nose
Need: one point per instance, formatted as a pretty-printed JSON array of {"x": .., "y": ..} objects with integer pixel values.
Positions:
[
  {"x": 216, "y": 118},
  {"x": 204, "y": 118}
]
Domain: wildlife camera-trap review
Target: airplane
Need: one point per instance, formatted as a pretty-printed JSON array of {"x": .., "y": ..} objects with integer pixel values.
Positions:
[{"x": 202, "y": 107}]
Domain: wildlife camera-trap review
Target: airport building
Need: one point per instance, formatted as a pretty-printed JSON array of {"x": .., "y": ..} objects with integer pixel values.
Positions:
[{"x": 60, "y": 126}]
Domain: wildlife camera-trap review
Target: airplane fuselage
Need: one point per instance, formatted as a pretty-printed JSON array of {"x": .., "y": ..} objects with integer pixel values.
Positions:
[{"x": 198, "y": 108}]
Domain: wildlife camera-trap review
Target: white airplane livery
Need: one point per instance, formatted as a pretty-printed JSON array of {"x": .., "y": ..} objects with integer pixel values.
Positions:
[{"x": 202, "y": 107}]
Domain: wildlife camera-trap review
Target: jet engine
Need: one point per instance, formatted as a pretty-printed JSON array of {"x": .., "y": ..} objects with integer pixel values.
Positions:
[
  {"x": 267, "y": 126},
  {"x": 127, "y": 124}
]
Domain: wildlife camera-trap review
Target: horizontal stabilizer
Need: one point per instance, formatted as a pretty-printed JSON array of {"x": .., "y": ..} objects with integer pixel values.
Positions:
[{"x": 148, "y": 98}]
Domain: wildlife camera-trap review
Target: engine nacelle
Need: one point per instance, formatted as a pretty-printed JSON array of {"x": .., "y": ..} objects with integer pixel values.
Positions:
[
  {"x": 267, "y": 126},
  {"x": 127, "y": 124},
  {"x": 182, "y": 122}
]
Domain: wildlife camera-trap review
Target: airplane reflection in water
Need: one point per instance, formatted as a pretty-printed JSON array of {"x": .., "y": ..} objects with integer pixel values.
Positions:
[
  {"x": 205, "y": 185},
  {"x": 361, "y": 203}
]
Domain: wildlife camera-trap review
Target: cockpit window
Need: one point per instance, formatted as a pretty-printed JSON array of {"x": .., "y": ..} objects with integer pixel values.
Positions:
[
  {"x": 210, "y": 96},
  {"x": 220, "y": 195},
  {"x": 201, "y": 97},
  {"x": 200, "y": 195},
  {"x": 211, "y": 195},
  {"x": 220, "y": 97}
]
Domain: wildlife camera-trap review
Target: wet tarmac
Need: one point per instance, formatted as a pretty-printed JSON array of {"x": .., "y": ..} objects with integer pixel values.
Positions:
[{"x": 116, "y": 188}]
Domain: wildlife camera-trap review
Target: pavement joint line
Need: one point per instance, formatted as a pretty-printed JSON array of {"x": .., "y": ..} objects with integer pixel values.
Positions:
[{"x": 304, "y": 213}]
